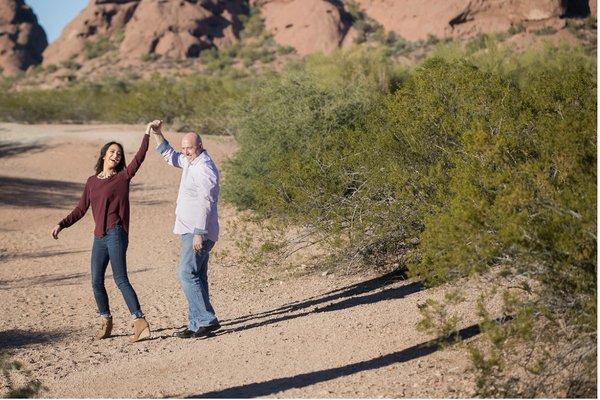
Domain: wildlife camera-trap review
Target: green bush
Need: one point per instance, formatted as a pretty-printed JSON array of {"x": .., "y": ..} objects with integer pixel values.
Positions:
[
  {"x": 202, "y": 102},
  {"x": 315, "y": 103},
  {"x": 97, "y": 48},
  {"x": 468, "y": 168}
]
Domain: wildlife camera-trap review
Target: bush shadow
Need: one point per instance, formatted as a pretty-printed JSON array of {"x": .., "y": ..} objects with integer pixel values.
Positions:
[
  {"x": 274, "y": 386},
  {"x": 11, "y": 149},
  {"x": 14, "y": 338},
  {"x": 28, "y": 192}
]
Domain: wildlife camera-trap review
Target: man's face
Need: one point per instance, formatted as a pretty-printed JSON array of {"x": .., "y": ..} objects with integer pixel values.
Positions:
[{"x": 190, "y": 147}]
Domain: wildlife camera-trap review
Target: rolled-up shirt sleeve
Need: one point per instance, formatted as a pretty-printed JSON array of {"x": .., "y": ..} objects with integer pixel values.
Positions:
[{"x": 169, "y": 154}]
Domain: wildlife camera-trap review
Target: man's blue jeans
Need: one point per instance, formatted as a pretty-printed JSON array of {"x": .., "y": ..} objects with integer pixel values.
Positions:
[
  {"x": 193, "y": 275},
  {"x": 112, "y": 247}
]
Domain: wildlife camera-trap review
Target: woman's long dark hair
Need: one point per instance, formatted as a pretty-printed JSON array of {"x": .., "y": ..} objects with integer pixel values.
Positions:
[{"x": 103, "y": 150}]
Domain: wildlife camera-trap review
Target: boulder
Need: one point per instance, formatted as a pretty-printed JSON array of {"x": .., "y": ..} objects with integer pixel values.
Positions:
[
  {"x": 175, "y": 29},
  {"x": 309, "y": 26},
  {"x": 22, "y": 39},
  {"x": 418, "y": 19},
  {"x": 181, "y": 29}
]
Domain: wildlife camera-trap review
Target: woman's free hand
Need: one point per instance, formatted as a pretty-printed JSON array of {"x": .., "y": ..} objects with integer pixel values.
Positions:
[{"x": 56, "y": 231}]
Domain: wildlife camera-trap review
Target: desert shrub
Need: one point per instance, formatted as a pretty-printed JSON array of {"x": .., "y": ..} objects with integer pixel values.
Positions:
[
  {"x": 253, "y": 23},
  {"x": 70, "y": 64},
  {"x": 316, "y": 102},
  {"x": 368, "y": 29},
  {"x": 548, "y": 30},
  {"x": 216, "y": 60},
  {"x": 516, "y": 29},
  {"x": 468, "y": 168},
  {"x": 276, "y": 123},
  {"x": 201, "y": 102},
  {"x": 518, "y": 193},
  {"x": 97, "y": 48},
  {"x": 149, "y": 57}
]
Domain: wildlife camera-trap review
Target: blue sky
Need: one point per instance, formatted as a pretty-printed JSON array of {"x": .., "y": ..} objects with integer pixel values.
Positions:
[{"x": 53, "y": 15}]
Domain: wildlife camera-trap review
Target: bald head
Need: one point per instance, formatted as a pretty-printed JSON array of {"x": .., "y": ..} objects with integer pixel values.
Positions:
[{"x": 191, "y": 146}]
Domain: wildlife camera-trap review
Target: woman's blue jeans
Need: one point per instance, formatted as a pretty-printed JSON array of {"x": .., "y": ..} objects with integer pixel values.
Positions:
[
  {"x": 112, "y": 247},
  {"x": 193, "y": 275}
]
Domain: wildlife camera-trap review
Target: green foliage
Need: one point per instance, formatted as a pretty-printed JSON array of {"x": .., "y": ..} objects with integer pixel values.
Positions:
[
  {"x": 548, "y": 30},
  {"x": 97, "y": 48},
  {"x": 311, "y": 105},
  {"x": 283, "y": 50},
  {"x": 368, "y": 29},
  {"x": 468, "y": 166},
  {"x": 51, "y": 68},
  {"x": 70, "y": 64},
  {"x": 516, "y": 29},
  {"x": 216, "y": 60},
  {"x": 195, "y": 103},
  {"x": 149, "y": 57},
  {"x": 253, "y": 23}
]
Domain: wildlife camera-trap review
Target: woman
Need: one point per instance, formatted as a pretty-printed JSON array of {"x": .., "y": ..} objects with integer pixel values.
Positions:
[{"x": 108, "y": 193}]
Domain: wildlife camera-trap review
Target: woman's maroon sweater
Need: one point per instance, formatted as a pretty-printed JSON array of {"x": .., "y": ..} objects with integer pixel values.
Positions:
[{"x": 109, "y": 197}]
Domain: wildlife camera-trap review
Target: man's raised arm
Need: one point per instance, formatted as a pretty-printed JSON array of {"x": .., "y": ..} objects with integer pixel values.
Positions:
[
  {"x": 155, "y": 128},
  {"x": 163, "y": 147}
]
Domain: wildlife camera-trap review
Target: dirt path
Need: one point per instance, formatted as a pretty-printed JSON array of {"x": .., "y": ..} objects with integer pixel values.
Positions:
[{"x": 316, "y": 336}]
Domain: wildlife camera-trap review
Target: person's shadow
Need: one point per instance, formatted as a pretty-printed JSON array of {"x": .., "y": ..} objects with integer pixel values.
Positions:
[{"x": 390, "y": 286}]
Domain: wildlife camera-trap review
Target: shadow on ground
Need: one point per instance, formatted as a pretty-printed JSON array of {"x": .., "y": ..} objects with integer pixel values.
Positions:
[
  {"x": 274, "y": 386},
  {"x": 11, "y": 149},
  {"x": 371, "y": 291},
  {"x": 28, "y": 192},
  {"x": 56, "y": 279},
  {"x": 4, "y": 255},
  {"x": 14, "y": 338}
]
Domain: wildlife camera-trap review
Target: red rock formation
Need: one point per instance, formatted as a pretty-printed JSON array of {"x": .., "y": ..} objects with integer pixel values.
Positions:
[
  {"x": 417, "y": 19},
  {"x": 22, "y": 39},
  {"x": 101, "y": 18},
  {"x": 174, "y": 29},
  {"x": 307, "y": 25},
  {"x": 181, "y": 29}
]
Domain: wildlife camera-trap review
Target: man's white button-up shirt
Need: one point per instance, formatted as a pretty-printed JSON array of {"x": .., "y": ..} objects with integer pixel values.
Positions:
[{"x": 196, "y": 210}]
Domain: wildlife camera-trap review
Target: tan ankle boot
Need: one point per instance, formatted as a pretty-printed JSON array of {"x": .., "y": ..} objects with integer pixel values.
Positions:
[
  {"x": 141, "y": 330},
  {"x": 105, "y": 328}
]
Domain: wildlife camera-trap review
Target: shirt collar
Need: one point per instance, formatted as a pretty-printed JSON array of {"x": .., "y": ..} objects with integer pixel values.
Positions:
[{"x": 202, "y": 156}]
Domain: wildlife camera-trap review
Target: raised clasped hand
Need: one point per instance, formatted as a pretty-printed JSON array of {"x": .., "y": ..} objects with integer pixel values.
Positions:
[{"x": 154, "y": 126}]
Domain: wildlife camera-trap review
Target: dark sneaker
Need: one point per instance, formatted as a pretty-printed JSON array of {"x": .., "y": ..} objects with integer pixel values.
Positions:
[
  {"x": 184, "y": 334},
  {"x": 207, "y": 330},
  {"x": 203, "y": 331}
]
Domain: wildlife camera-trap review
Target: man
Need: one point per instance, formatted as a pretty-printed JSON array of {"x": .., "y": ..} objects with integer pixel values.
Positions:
[{"x": 197, "y": 222}]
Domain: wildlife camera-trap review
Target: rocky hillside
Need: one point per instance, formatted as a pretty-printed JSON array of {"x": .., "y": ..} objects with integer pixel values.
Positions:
[
  {"x": 138, "y": 28},
  {"x": 418, "y": 19},
  {"x": 22, "y": 39},
  {"x": 140, "y": 36}
]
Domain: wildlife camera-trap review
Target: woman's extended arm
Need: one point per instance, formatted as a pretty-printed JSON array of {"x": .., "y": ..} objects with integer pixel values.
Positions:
[
  {"x": 77, "y": 213},
  {"x": 137, "y": 161}
]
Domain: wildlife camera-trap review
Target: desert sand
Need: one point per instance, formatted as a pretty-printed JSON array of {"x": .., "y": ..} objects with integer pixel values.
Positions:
[{"x": 308, "y": 336}]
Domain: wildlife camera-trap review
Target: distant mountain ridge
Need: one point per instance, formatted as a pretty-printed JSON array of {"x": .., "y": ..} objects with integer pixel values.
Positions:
[{"x": 130, "y": 33}]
